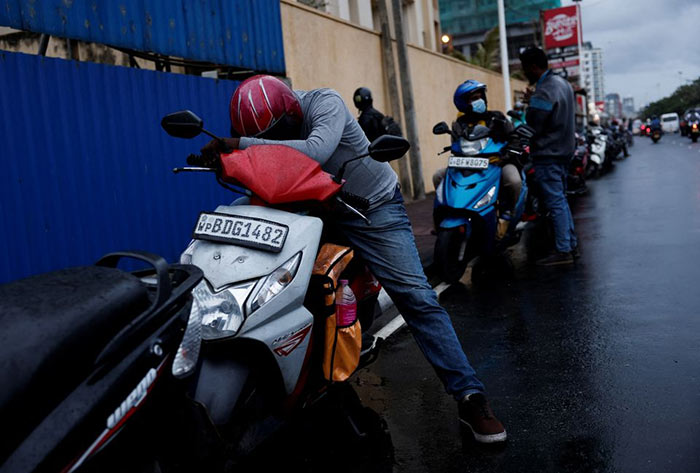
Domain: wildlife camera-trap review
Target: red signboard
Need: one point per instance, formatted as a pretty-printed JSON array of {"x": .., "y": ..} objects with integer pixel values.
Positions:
[
  {"x": 560, "y": 64},
  {"x": 560, "y": 27},
  {"x": 580, "y": 104}
]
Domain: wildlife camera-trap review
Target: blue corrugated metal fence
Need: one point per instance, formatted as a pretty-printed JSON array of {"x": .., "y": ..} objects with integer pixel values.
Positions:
[
  {"x": 241, "y": 33},
  {"x": 87, "y": 167}
]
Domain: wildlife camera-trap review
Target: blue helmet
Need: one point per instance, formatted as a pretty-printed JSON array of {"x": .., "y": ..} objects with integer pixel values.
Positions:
[{"x": 462, "y": 93}]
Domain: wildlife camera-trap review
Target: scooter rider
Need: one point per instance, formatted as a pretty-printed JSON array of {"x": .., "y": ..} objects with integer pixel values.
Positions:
[
  {"x": 655, "y": 123},
  {"x": 370, "y": 118},
  {"x": 264, "y": 110},
  {"x": 519, "y": 109},
  {"x": 470, "y": 100}
]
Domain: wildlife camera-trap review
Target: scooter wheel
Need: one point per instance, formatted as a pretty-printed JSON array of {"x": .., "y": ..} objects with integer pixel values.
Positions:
[
  {"x": 450, "y": 254},
  {"x": 695, "y": 138}
]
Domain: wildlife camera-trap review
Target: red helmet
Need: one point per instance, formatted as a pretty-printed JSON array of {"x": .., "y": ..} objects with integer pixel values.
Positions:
[{"x": 260, "y": 102}]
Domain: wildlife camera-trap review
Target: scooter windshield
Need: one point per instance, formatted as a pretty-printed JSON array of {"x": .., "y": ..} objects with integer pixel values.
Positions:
[{"x": 278, "y": 174}]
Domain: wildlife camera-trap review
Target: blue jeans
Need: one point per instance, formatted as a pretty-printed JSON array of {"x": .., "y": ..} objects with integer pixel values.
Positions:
[
  {"x": 389, "y": 249},
  {"x": 551, "y": 178}
]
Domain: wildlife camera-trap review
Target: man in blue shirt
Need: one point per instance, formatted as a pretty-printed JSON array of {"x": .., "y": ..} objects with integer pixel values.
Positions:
[{"x": 551, "y": 113}]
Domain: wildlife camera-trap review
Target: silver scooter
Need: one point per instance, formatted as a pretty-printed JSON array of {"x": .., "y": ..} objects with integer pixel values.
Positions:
[
  {"x": 598, "y": 142},
  {"x": 260, "y": 357}
]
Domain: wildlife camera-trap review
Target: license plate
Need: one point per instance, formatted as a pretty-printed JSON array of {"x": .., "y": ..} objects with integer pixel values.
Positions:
[
  {"x": 468, "y": 163},
  {"x": 242, "y": 231}
]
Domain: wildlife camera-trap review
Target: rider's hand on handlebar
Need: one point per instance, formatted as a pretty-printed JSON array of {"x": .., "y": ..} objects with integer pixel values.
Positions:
[
  {"x": 202, "y": 161},
  {"x": 212, "y": 150}
]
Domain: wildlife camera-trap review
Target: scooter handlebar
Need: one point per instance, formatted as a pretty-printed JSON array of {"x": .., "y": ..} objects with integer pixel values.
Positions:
[{"x": 359, "y": 202}]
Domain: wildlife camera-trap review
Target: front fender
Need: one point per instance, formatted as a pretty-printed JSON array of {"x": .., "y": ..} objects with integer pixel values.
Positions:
[
  {"x": 219, "y": 385},
  {"x": 454, "y": 222}
]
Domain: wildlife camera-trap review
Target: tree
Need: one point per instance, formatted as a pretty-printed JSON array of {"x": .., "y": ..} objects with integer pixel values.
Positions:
[
  {"x": 519, "y": 74},
  {"x": 685, "y": 97},
  {"x": 488, "y": 53},
  {"x": 457, "y": 55}
]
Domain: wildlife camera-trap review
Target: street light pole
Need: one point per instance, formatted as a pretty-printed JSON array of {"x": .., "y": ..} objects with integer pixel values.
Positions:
[{"x": 504, "y": 54}]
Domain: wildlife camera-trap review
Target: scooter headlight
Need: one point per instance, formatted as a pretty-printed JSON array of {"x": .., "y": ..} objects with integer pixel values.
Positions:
[
  {"x": 470, "y": 148},
  {"x": 268, "y": 287},
  {"x": 221, "y": 312},
  {"x": 486, "y": 199}
]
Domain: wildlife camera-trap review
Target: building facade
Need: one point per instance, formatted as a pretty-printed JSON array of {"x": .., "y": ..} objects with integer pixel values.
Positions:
[
  {"x": 592, "y": 70},
  {"x": 613, "y": 105},
  {"x": 628, "y": 106},
  {"x": 434, "y": 75},
  {"x": 421, "y": 19},
  {"x": 467, "y": 21}
]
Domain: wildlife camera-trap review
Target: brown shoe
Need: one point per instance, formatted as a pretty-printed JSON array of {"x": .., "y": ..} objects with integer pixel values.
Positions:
[
  {"x": 475, "y": 413},
  {"x": 556, "y": 259}
]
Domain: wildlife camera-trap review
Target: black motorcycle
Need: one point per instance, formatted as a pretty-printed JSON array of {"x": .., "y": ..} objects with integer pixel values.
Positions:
[
  {"x": 617, "y": 143},
  {"x": 92, "y": 360}
]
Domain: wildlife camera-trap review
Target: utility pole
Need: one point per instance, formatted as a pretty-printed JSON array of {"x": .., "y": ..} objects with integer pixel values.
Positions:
[
  {"x": 579, "y": 30},
  {"x": 504, "y": 54},
  {"x": 408, "y": 107},
  {"x": 392, "y": 83}
]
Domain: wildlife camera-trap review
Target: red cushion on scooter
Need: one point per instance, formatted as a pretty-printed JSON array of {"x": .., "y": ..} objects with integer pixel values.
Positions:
[{"x": 278, "y": 174}]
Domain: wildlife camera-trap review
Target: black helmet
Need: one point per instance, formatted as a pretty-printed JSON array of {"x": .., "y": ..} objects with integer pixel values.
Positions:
[{"x": 362, "y": 98}]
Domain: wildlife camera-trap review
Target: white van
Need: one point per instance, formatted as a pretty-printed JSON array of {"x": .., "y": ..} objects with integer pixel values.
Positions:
[
  {"x": 670, "y": 123},
  {"x": 636, "y": 127}
]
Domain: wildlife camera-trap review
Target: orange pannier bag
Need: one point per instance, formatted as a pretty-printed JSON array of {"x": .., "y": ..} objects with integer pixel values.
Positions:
[{"x": 341, "y": 345}]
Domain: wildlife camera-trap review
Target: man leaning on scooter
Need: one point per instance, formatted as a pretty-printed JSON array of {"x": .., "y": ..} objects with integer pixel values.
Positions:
[{"x": 319, "y": 124}]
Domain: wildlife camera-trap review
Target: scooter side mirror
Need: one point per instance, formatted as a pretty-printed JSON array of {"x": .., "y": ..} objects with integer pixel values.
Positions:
[
  {"x": 441, "y": 129},
  {"x": 513, "y": 114},
  {"x": 388, "y": 148},
  {"x": 184, "y": 124}
]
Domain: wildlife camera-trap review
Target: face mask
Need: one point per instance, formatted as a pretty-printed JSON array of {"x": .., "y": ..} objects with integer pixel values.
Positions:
[{"x": 479, "y": 106}]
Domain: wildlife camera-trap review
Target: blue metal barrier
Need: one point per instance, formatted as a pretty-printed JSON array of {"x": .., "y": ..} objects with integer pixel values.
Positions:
[
  {"x": 86, "y": 167},
  {"x": 240, "y": 33}
]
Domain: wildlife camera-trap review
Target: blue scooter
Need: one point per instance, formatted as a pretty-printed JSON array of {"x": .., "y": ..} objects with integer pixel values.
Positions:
[{"x": 466, "y": 202}]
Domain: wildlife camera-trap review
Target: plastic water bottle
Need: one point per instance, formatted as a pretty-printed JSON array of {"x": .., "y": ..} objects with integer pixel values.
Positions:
[{"x": 345, "y": 305}]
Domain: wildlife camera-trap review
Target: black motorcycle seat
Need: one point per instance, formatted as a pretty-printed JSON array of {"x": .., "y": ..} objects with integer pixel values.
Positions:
[{"x": 53, "y": 327}]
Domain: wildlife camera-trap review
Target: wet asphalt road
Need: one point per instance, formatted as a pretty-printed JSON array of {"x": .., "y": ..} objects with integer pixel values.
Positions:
[{"x": 592, "y": 368}]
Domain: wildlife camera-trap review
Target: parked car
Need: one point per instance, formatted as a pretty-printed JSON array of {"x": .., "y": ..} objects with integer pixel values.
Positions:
[
  {"x": 636, "y": 127},
  {"x": 670, "y": 122}
]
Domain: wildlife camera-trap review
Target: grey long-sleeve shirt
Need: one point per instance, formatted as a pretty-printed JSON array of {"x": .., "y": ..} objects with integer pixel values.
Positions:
[{"x": 331, "y": 136}]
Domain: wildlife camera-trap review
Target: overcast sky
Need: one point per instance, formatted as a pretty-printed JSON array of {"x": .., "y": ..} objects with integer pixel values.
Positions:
[{"x": 650, "y": 47}]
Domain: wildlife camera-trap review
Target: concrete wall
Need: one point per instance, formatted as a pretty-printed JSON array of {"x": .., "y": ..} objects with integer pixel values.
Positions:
[{"x": 324, "y": 51}]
